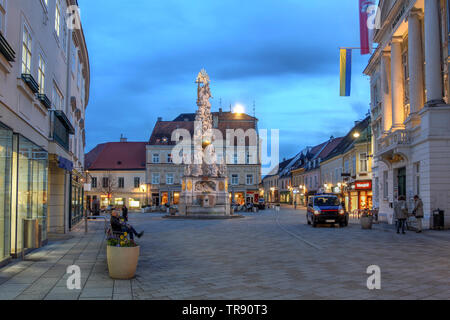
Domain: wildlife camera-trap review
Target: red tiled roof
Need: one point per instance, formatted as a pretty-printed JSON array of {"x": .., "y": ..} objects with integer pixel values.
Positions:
[
  {"x": 330, "y": 147},
  {"x": 117, "y": 156},
  {"x": 227, "y": 120}
]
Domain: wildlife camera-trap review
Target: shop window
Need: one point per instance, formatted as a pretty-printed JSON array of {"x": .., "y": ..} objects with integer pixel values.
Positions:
[
  {"x": 119, "y": 201},
  {"x": 134, "y": 204},
  {"x": 176, "y": 198},
  {"x": 6, "y": 144},
  {"x": 164, "y": 198}
]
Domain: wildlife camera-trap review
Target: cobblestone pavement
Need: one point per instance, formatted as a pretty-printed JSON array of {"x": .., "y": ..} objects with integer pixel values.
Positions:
[{"x": 270, "y": 255}]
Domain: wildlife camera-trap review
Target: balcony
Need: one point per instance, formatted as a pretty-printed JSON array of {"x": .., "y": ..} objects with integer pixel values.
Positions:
[
  {"x": 61, "y": 128},
  {"x": 44, "y": 100},
  {"x": 6, "y": 49},
  {"x": 394, "y": 143},
  {"x": 31, "y": 83}
]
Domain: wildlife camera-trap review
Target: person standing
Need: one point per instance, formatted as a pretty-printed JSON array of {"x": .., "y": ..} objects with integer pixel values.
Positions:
[
  {"x": 401, "y": 213},
  {"x": 125, "y": 213},
  {"x": 418, "y": 212}
]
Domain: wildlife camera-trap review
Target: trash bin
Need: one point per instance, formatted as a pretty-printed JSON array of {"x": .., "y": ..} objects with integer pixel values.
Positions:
[
  {"x": 32, "y": 234},
  {"x": 438, "y": 219}
]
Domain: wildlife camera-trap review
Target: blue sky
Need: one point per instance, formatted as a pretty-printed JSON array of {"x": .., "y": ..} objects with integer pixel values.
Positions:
[{"x": 284, "y": 55}]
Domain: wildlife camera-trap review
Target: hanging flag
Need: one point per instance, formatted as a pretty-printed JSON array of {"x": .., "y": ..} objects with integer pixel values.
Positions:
[
  {"x": 346, "y": 72},
  {"x": 364, "y": 6}
]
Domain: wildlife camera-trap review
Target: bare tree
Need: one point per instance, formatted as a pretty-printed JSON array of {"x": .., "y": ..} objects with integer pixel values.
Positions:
[{"x": 109, "y": 186}]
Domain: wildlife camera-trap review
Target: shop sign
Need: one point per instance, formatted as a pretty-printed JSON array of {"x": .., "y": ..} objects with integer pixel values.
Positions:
[{"x": 363, "y": 185}]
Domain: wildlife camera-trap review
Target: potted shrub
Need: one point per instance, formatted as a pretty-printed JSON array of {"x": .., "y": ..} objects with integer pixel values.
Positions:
[
  {"x": 366, "y": 220},
  {"x": 122, "y": 256}
]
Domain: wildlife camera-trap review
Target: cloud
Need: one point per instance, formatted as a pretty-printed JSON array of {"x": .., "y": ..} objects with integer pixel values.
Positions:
[{"x": 283, "y": 55}]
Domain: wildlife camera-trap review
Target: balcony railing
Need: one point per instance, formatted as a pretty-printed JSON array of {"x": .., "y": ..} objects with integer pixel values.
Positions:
[
  {"x": 393, "y": 140},
  {"x": 6, "y": 49},
  {"x": 31, "y": 83},
  {"x": 62, "y": 128},
  {"x": 45, "y": 100}
]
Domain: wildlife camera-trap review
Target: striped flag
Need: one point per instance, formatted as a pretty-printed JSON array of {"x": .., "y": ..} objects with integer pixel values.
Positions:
[
  {"x": 346, "y": 72},
  {"x": 365, "y": 36}
]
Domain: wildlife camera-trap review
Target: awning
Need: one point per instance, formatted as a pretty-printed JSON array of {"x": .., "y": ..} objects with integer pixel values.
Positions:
[{"x": 65, "y": 164}]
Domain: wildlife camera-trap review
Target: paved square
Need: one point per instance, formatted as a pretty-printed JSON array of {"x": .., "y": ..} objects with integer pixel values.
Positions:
[{"x": 269, "y": 255}]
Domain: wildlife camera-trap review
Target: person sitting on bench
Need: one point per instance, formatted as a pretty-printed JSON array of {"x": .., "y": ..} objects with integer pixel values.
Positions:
[{"x": 119, "y": 227}]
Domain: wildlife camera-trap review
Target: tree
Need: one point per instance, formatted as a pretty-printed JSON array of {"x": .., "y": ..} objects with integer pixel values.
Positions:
[{"x": 109, "y": 185}]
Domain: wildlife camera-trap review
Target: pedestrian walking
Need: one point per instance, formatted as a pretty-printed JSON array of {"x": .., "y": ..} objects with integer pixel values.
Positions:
[
  {"x": 125, "y": 213},
  {"x": 401, "y": 213},
  {"x": 295, "y": 204},
  {"x": 418, "y": 212}
]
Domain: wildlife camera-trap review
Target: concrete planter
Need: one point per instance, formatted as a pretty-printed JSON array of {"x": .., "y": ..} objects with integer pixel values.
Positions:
[
  {"x": 122, "y": 262},
  {"x": 366, "y": 222}
]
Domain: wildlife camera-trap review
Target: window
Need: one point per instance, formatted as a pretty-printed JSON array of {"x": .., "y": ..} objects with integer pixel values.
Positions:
[
  {"x": 405, "y": 75},
  {"x": 247, "y": 157},
  {"x": 94, "y": 183},
  {"x": 155, "y": 158},
  {"x": 354, "y": 165},
  {"x": 155, "y": 178},
  {"x": 385, "y": 185},
  {"x": 235, "y": 158},
  {"x": 41, "y": 75},
  {"x": 169, "y": 178},
  {"x": 73, "y": 51},
  {"x": 57, "y": 18},
  {"x": 105, "y": 182},
  {"x": 121, "y": 183},
  {"x": 363, "y": 162},
  {"x": 235, "y": 179},
  {"x": 79, "y": 75},
  {"x": 58, "y": 100},
  {"x": 417, "y": 178},
  {"x": 137, "y": 182},
  {"x": 346, "y": 166},
  {"x": 26, "y": 51},
  {"x": 169, "y": 158},
  {"x": 249, "y": 179}
]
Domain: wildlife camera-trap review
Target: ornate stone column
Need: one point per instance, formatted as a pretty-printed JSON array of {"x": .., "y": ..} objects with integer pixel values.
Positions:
[
  {"x": 433, "y": 71},
  {"x": 415, "y": 62},
  {"x": 397, "y": 83},
  {"x": 386, "y": 90}
]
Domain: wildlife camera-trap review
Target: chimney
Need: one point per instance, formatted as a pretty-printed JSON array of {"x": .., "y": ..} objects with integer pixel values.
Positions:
[
  {"x": 160, "y": 119},
  {"x": 123, "y": 139},
  {"x": 220, "y": 110}
]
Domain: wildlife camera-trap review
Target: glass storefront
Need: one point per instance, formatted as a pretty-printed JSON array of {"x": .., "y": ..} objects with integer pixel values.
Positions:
[
  {"x": 6, "y": 143},
  {"x": 32, "y": 182},
  {"x": 76, "y": 213}
]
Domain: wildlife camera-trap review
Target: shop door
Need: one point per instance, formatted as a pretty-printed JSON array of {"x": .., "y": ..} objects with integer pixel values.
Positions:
[{"x": 401, "y": 180}]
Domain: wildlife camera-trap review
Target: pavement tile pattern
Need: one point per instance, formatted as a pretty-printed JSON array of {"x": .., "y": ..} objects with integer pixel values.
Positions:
[{"x": 265, "y": 256}]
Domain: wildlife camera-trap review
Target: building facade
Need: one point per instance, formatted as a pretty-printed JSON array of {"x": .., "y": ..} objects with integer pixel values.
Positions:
[
  {"x": 44, "y": 91},
  {"x": 243, "y": 159},
  {"x": 117, "y": 175},
  {"x": 410, "y": 111}
]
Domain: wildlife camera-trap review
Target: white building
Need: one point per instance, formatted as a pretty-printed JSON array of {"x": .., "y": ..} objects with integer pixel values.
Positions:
[
  {"x": 117, "y": 175},
  {"x": 44, "y": 91},
  {"x": 410, "y": 111}
]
